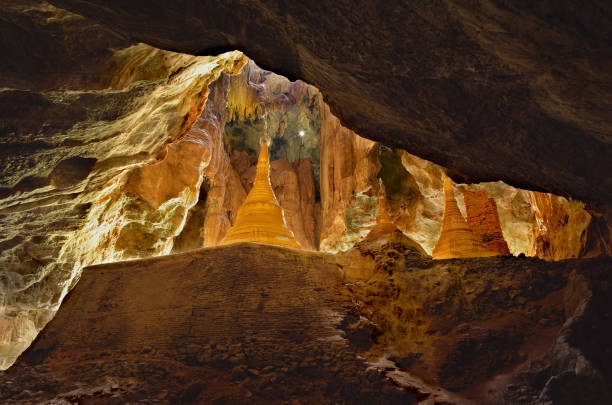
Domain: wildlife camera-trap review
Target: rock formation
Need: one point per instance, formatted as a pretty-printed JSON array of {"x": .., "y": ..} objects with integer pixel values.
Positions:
[
  {"x": 112, "y": 171},
  {"x": 456, "y": 237},
  {"x": 496, "y": 330},
  {"x": 560, "y": 226},
  {"x": 261, "y": 218},
  {"x": 349, "y": 170},
  {"x": 111, "y": 175},
  {"x": 112, "y": 148},
  {"x": 483, "y": 219},
  {"x": 416, "y": 201},
  {"x": 273, "y": 324}
]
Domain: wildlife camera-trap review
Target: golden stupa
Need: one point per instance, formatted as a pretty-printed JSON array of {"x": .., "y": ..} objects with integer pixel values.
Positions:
[
  {"x": 384, "y": 223},
  {"x": 456, "y": 237},
  {"x": 261, "y": 219}
]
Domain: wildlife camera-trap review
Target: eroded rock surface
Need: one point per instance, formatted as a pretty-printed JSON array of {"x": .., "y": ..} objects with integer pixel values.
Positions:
[
  {"x": 114, "y": 181},
  {"x": 381, "y": 323},
  {"x": 83, "y": 104}
]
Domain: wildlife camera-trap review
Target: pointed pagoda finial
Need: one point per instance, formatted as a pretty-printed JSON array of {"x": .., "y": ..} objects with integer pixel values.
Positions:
[{"x": 263, "y": 161}]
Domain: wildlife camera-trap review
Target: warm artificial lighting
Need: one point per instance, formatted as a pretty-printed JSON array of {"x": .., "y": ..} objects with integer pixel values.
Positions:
[{"x": 301, "y": 133}]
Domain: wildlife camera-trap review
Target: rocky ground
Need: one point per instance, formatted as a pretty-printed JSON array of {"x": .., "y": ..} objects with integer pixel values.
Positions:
[
  {"x": 379, "y": 324},
  {"x": 236, "y": 324},
  {"x": 495, "y": 330}
]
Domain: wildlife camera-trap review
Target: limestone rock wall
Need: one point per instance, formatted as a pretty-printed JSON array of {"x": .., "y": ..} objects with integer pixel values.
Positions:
[
  {"x": 348, "y": 170},
  {"x": 560, "y": 228},
  {"x": 531, "y": 223},
  {"x": 108, "y": 172}
]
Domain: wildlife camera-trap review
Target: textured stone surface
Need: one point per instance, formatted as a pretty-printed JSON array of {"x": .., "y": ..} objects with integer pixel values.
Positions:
[
  {"x": 560, "y": 229},
  {"x": 348, "y": 170},
  {"x": 241, "y": 323},
  {"x": 576, "y": 368},
  {"x": 273, "y": 324},
  {"x": 110, "y": 176},
  {"x": 83, "y": 102},
  {"x": 522, "y": 86},
  {"x": 494, "y": 330}
]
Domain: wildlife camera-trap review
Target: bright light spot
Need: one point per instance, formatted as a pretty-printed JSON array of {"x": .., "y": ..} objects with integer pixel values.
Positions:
[{"x": 301, "y": 133}]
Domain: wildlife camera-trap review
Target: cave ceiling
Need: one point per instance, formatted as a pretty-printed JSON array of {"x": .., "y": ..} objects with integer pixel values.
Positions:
[{"x": 518, "y": 91}]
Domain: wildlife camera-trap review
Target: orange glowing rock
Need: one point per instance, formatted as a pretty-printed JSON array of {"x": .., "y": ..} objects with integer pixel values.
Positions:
[
  {"x": 456, "y": 237},
  {"x": 261, "y": 219}
]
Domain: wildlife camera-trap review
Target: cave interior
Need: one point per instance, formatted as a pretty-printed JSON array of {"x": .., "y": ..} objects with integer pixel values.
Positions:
[{"x": 440, "y": 172}]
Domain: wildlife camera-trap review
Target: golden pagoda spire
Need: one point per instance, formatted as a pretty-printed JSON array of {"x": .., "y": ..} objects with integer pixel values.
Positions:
[
  {"x": 384, "y": 223},
  {"x": 383, "y": 215},
  {"x": 456, "y": 237},
  {"x": 261, "y": 219}
]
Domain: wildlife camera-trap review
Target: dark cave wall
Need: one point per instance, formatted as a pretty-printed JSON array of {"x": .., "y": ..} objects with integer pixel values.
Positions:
[{"x": 522, "y": 87}]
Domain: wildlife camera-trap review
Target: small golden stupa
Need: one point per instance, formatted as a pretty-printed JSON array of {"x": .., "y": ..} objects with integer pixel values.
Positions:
[
  {"x": 261, "y": 219},
  {"x": 456, "y": 237},
  {"x": 384, "y": 223}
]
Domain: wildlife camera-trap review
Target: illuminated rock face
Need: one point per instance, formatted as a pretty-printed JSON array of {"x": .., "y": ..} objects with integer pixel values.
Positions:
[
  {"x": 261, "y": 219},
  {"x": 116, "y": 165},
  {"x": 348, "y": 169},
  {"x": 561, "y": 227},
  {"x": 456, "y": 237},
  {"x": 483, "y": 219}
]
